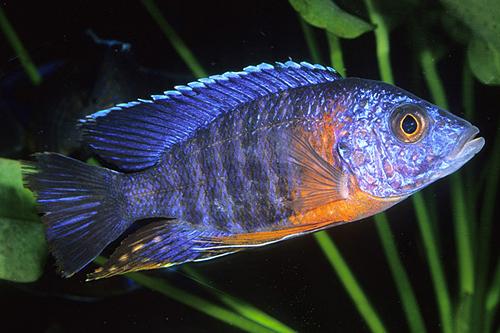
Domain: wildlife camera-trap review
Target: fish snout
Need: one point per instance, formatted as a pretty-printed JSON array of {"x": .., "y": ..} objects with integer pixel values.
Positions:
[{"x": 467, "y": 146}]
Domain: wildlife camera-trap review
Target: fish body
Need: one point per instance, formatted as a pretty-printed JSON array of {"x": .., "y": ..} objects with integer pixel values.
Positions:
[{"x": 242, "y": 160}]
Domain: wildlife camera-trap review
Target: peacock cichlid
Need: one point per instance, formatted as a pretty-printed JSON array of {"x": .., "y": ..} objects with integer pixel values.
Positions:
[{"x": 241, "y": 160}]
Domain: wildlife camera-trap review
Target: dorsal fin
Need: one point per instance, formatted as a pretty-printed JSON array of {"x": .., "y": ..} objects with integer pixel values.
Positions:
[{"x": 134, "y": 135}]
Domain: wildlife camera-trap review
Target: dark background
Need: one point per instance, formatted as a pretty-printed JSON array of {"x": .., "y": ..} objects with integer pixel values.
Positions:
[{"x": 291, "y": 281}]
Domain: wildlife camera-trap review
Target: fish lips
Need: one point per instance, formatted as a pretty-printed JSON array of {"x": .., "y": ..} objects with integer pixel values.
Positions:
[
  {"x": 466, "y": 148},
  {"x": 468, "y": 145}
]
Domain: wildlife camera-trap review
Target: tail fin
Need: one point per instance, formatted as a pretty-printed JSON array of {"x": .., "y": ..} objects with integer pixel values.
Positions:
[{"x": 82, "y": 205}]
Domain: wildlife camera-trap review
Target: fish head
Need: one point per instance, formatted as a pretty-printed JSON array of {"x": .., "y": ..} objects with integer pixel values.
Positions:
[{"x": 395, "y": 143}]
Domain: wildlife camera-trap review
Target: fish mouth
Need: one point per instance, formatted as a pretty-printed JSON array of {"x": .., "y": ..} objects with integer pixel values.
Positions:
[{"x": 468, "y": 146}]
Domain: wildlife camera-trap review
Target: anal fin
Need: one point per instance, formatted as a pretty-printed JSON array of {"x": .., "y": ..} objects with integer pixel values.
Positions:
[{"x": 159, "y": 244}]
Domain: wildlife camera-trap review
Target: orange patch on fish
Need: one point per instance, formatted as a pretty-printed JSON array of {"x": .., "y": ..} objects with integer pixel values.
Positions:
[
  {"x": 324, "y": 137},
  {"x": 350, "y": 203},
  {"x": 263, "y": 237},
  {"x": 356, "y": 206}
]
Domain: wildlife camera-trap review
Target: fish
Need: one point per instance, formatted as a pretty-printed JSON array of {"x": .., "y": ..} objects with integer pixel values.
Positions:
[{"x": 237, "y": 161}]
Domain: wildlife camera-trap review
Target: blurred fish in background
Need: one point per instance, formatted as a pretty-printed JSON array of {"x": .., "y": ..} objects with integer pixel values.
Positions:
[{"x": 110, "y": 75}]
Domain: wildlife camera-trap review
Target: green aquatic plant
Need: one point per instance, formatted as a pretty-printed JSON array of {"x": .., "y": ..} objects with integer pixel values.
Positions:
[
  {"x": 245, "y": 316},
  {"x": 327, "y": 15},
  {"x": 471, "y": 309},
  {"x": 19, "y": 49},
  {"x": 483, "y": 44},
  {"x": 22, "y": 243}
]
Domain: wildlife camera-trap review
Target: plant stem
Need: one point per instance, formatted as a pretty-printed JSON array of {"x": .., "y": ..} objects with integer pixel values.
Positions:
[
  {"x": 469, "y": 181},
  {"x": 405, "y": 290},
  {"x": 197, "y": 303},
  {"x": 432, "y": 253},
  {"x": 462, "y": 234},
  {"x": 406, "y": 293},
  {"x": 326, "y": 243},
  {"x": 382, "y": 42},
  {"x": 193, "y": 301},
  {"x": 489, "y": 201},
  {"x": 474, "y": 188},
  {"x": 19, "y": 49},
  {"x": 336, "y": 57},
  {"x": 432, "y": 78},
  {"x": 492, "y": 299},
  {"x": 243, "y": 308},
  {"x": 462, "y": 225},
  {"x": 480, "y": 316},
  {"x": 468, "y": 91},
  {"x": 349, "y": 281},
  {"x": 312, "y": 45},
  {"x": 179, "y": 45}
]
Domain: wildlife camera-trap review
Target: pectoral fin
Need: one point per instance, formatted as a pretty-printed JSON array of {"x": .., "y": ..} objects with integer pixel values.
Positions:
[{"x": 320, "y": 181}]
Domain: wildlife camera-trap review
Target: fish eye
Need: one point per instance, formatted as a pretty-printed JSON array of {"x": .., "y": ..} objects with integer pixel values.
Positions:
[{"x": 409, "y": 123}]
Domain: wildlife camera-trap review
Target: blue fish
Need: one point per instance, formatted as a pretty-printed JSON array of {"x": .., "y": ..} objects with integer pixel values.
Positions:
[{"x": 240, "y": 160}]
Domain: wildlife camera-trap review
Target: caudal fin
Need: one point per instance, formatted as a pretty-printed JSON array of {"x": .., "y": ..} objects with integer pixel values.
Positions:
[{"x": 82, "y": 206}]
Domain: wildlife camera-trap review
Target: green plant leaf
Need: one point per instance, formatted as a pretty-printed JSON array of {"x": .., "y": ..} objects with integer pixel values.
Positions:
[
  {"x": 484, "y": 61},
  {"x": 22, "y": 244},
  {"x": 481, "y": 17},
  {"x": 327, "y": 15}
]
